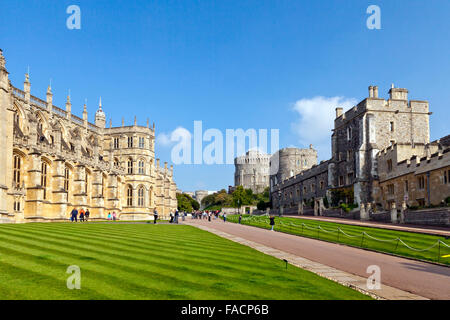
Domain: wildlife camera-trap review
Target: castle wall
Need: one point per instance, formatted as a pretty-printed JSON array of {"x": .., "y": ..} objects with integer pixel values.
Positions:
[
  {"x": 55, "y": 161},
  {"x": 252, "y": 171}
]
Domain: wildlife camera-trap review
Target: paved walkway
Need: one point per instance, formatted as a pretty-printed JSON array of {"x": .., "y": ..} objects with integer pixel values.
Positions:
[
  {"x": 411, "y": 228},
  {"x": 401, "y": 278}
]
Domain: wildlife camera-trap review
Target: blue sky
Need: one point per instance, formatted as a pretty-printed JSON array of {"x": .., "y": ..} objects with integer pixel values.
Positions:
[{"x": 231, "y": 64}]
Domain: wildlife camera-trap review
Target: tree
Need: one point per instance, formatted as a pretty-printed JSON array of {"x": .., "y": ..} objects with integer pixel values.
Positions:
[{"x": 187, "y": 203}]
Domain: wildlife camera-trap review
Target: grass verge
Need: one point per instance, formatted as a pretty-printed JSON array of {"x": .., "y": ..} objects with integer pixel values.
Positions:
[{"x": 377, "y": 239}]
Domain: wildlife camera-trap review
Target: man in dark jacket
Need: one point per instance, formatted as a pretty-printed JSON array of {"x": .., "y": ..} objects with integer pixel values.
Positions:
[
  {"x": 73, "y": 215},
  {"x": 155, "y": 216},
  {"x": 272, "y": 222}
]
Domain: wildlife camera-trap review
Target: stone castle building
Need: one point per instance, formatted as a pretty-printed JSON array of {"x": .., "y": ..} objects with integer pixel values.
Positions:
[
  {"x": 288, "y": 162},
  {"x": 358, "y": 136},
  {"x": 414, "y": 176},
  {"x": 53, "y": 161},
  {"x": 252, "y": 171}
]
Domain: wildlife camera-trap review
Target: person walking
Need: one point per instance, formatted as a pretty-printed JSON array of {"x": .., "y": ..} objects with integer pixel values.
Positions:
[
  {"x": 73, "y": 215},
  {"x": 109, "y": 216},
  {"x": 209, "y": 217},
  {"x": 272, "y": 222},
  {"x": 224, "y": 217},
  {"x": 240, "y": 218},
  {"x": 155, "y": 216},
  {"x": 82, "y": 215},
  {"x": 177, "y": 214},
  {"x": 171, "y": 217},
  {"x": 183, "y": 217},
  {"x": 114, "y": 216},
  {"x": 86, "y": 215}
]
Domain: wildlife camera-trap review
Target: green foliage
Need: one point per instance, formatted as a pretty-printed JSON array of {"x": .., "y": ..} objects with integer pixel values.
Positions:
[
  {"x": 447, "y": 200},
  {"x": 240, "y": 197},
  {"x": 325, "y": 202},
  {"x": 186, "y": 203},
  {"x": 342, "y": 195},
  {"x": 348, "y": 207},
  {"x": 262, "y": 205}
]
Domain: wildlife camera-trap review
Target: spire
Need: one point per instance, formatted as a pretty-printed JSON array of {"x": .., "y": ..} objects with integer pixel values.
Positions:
[
  {"x": 2, "y": 60},
  {"x": 27, "y": 86},
  {"x": 135, "y": 121},
  {"x": 100, "y": 117},
  {"x": 49, "y": 97},
  {"x": 85, "y": 114},
  {"x": 68, "y": 106}
]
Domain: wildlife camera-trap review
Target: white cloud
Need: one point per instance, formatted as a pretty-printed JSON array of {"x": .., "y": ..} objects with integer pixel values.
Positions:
[
  {"x": 169, "y": 139},
  {"x": 316, "y": 119}
]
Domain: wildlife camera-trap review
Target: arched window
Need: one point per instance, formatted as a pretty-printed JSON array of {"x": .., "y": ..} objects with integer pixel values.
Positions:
[
  {"x": 44, "y": 169},
  {"x": 129, "y": 196},
  {"x": 103, "y": 185},
  {"x": 116, "y": 143},
  {"x": 141, "y": 167},
  {"x": 116, "y": 162},
  {"x": 86, "y": 182},
  {"x": 141, "y": 197},
  {"x": 16, "y": 117},
  {"x": 130, "y": 166},
  {"x": 17, "y": 166},
  {"x": 66, "y": 179}
]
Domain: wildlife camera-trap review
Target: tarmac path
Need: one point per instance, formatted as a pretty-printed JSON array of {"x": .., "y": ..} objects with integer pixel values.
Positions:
[{"x": 420, "y": 278}]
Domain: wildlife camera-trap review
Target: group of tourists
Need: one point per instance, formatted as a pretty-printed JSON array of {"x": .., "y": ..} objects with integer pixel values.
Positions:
[
  {"x": 112, "y": 216},
  {"x": 206, "y": 215},
  {"x": 82, "y": 215},
  {"x": 174, "y": 216}
]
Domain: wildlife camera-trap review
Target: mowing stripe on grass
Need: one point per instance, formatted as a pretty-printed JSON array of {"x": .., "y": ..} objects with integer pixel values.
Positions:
[{"x": 123, "y": 262}]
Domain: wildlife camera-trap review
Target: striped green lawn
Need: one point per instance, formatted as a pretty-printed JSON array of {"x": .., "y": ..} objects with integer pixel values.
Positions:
[
  {"x": 146, "y": 261},
  {"x": 353, "y": 236}
]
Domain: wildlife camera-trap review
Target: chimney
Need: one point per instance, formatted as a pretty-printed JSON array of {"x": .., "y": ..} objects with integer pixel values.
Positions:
[
  {"x": 370, "y": 91},
  {"x": 375, "y": 91},
  {"x": 339, "y": 112}
]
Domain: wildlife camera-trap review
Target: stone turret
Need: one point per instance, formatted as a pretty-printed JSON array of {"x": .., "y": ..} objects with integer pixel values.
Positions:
[
  {"x": 27, "y": 87},
  {"x": 49, "y": 99},
  {"x": 68, "y": 107},
  {"x": 398, "y": 93},
  {"x": 100, "y": 117},
  {"x": 85, "y": 115}
]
